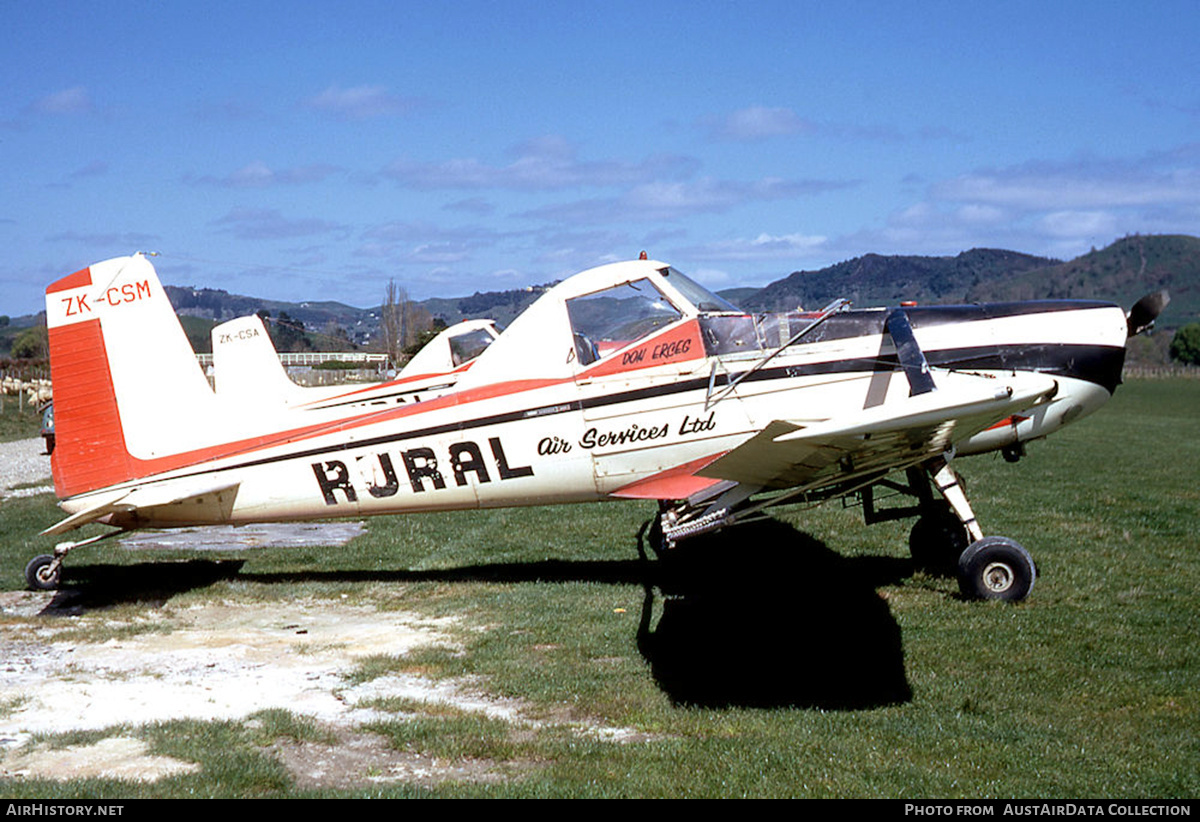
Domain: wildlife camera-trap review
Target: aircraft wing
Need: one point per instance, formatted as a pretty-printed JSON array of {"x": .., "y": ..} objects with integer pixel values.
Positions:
[
  {"x": 189, "y": 492},
  {"x": 890, "y": 436}
]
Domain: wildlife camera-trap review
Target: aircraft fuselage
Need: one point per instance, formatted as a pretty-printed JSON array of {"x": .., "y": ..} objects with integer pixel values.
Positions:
[{"x": 610, "y": 427}]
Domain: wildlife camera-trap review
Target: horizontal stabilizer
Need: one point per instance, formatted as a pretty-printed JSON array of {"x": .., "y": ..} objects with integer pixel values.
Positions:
[
  {"x": 89, "y": 514},
  {"x": 149, "y": 496}
]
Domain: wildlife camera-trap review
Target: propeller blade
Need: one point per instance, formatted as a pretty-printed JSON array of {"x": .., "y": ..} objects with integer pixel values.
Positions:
[{"x": 1146, "y": 310}]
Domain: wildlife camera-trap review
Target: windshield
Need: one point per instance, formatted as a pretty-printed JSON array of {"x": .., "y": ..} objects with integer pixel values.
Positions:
[
  {"x": 468, "y": 346},
  {"x": 607, "y": 320},
  {"x": 697, "y": 294}
]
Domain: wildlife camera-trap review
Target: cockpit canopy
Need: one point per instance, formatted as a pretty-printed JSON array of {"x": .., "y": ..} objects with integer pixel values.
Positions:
[
  {"x": 454, "y": 347},
  {"x": 610, "y": 319},
  {"x": 623, "y": 307}
]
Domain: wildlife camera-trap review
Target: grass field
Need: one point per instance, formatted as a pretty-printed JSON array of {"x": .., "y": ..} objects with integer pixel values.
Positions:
[
  {"x": 802, "y": 658},
  {"x": 18, "y": 419}
]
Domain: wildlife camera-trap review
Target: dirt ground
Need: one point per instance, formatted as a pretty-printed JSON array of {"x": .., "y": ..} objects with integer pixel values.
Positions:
[
  {"x": 222, "y": 660},
  {"x": 218, "y": 661}
]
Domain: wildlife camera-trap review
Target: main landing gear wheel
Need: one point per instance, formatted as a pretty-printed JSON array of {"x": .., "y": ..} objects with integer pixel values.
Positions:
[
  {"x": 996, "y": 568},
  {"x": 43, "y": 573},
  {"x": 937, "y": 540}
]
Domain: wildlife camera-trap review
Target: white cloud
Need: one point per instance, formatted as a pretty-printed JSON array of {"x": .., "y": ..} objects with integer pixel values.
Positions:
[
  {"x": 759, "y": 123},
  {"x": 669, "y": 200},
  {"x": 68, "y": 101},
  {"x": 1075, "y": 224},
  {"x": 97, "y": 168},
  {"x": 439, "y": 253},
  {"x": 260, "y": 175},
  {"x": 403, "y": 242},
  {"x": 763, "y": 247},
  {"x": 712, "y": 278},
  {"x": 270, "y": 224},
  {"x": 425, "y": 232},
  {"x": 1159, "y": 179},
  {"x": 544, "y": 164},
  {"x": 125, "y": 240},
  {"x": 472, "y": 205},
  {"x": 1054, "y": 208},
  {"x": 252, "y": 176},
  {"x": 981, "y": 215},
  {"x": 360, "y": 102}
]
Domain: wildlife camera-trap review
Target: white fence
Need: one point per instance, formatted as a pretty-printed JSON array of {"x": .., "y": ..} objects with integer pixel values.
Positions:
[{"x": 311, "y": 358}]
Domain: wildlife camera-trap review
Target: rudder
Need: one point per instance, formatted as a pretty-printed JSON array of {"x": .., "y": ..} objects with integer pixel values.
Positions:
[{"x": 125, "y": 378}]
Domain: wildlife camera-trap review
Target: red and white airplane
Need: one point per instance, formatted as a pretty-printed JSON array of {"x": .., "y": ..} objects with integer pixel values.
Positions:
[
  {"x": 627, "y": 381},
  {"x": 247, "y": 370}
]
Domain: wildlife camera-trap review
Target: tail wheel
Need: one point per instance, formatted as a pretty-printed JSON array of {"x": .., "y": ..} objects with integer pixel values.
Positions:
[
  {"x": 996, "y": 568},
  {"x": 43, "y": 573}
]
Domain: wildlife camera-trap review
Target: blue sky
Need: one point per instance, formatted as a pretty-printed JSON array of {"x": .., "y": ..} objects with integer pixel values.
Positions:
[{"x": 316, "y": 150}]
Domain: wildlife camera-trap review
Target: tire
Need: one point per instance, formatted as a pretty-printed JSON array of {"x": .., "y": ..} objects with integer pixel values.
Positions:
[
  {"x": 996, "y": 568},
  {"x": 38, "y": 575},
  {"x": 937, "y": 540}
]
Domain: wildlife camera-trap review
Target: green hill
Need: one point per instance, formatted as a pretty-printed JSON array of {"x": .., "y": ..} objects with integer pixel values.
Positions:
[
  {"x": 360, "y": 324},
  {"x": 219, "y": 305},
  {"x": 881, "y": 280},
  {"x": 1122, "y": 272},
  {"x": 501, "y": 306}
]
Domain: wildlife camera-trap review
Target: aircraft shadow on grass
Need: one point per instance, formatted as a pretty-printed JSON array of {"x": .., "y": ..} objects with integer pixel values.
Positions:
[
  {"x": 758, "y": 616},
  {"x": 766, "y": 616},
  {"x": 94, "y": 587}
]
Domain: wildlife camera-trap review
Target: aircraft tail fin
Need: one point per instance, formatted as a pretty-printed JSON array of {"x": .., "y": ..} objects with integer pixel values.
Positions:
[
  {"x": 246, "y": 365},
  {"x": 125, "y": 377}
]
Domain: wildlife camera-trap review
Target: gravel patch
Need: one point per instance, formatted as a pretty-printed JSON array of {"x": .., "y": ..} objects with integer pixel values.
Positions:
[
  {"x": 23, "y": 462},
  {"x": 228, "y": 661},
  {"x": 213, "y": 661},
  {"x": 242, "y": 537}
]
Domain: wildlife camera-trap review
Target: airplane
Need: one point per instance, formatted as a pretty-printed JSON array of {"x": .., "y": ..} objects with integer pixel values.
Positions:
[
  {"x": 247, "y": 370},
  {"x": 625, "y": 381}
]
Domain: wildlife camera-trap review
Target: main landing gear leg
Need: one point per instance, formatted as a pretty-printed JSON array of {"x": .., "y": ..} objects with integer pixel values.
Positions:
[
  {"x": 990, "y": 567},
  {"x": 938, "y": 537},
  {"x": 952, "y": 491}
]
